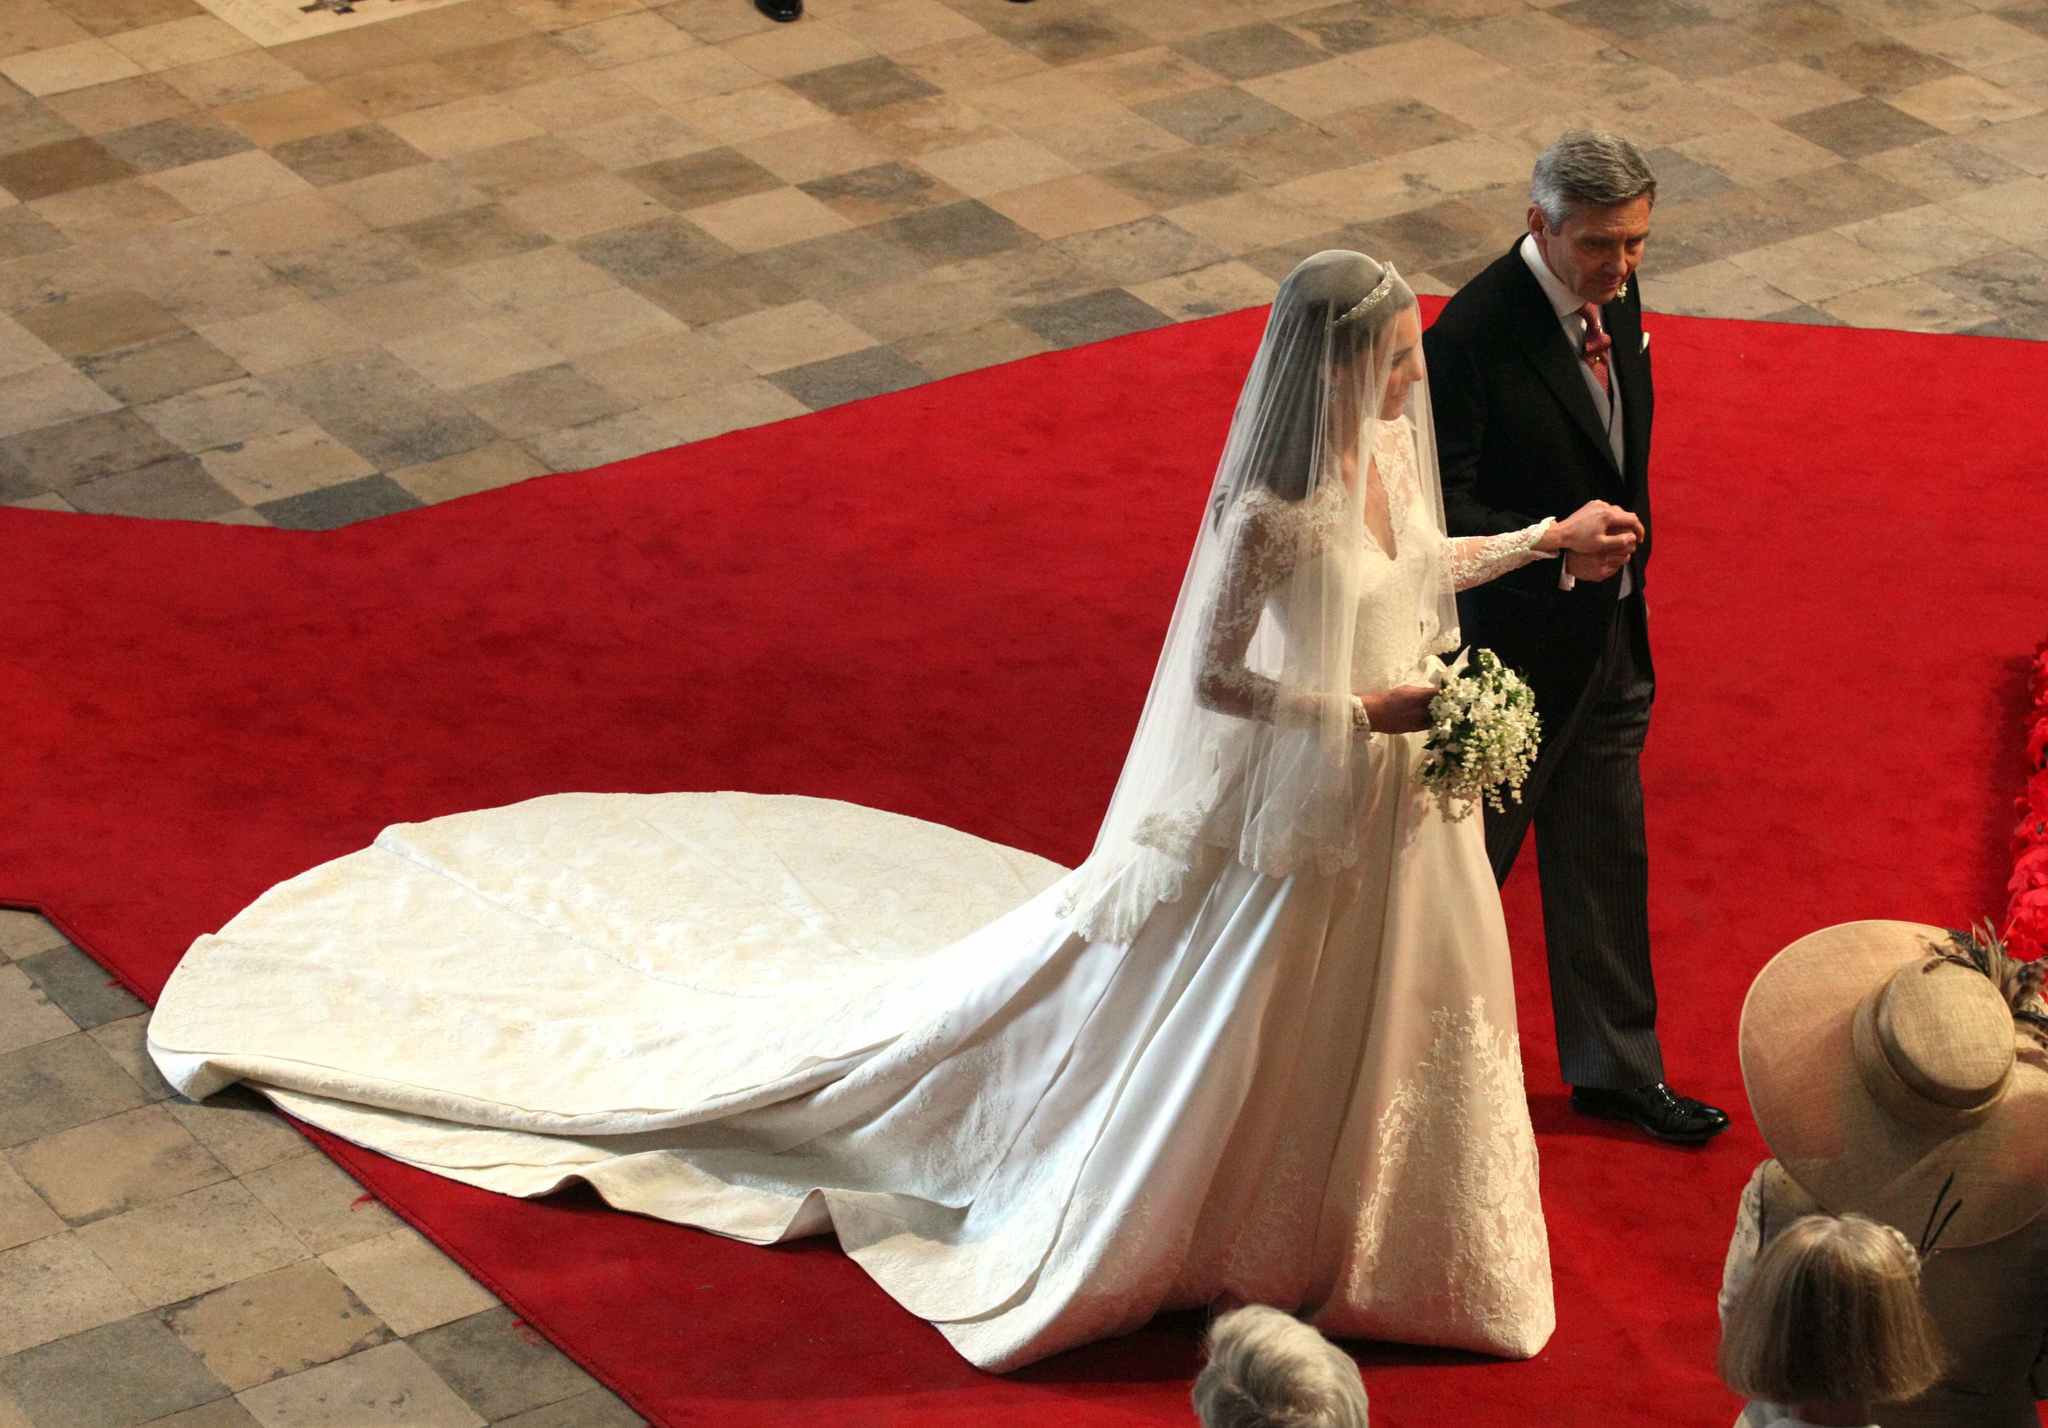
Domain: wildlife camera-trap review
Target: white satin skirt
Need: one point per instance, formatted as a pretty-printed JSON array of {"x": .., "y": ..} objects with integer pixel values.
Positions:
[{"x": 773, "y": 1017}]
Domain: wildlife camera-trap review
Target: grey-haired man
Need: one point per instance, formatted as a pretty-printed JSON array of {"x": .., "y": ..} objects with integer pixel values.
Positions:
[{"x": 1540, "y": 380}]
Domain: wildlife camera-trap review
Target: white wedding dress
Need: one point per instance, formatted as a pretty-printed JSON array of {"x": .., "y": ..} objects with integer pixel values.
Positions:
[{"x": 776, "y": 1016}]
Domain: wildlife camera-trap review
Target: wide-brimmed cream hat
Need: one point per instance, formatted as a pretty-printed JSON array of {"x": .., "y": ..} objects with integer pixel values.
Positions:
[{"x": 1881, "y": 1071}]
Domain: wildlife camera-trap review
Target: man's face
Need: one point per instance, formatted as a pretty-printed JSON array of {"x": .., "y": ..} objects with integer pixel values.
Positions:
[{"x": 1597, "y": 249}]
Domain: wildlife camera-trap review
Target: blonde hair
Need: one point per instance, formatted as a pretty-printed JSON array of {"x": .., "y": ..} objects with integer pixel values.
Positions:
[
  {"x": 1832, "y": 1312},
  {"x": 1267, "y": 1369}
]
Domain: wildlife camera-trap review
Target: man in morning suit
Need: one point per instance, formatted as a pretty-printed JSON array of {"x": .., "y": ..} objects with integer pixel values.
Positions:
[{"x": 1540, "y": 380}]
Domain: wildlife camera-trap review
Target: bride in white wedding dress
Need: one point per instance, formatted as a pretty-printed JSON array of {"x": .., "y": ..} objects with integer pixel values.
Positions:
[{"x": 1260, "y": 1046}]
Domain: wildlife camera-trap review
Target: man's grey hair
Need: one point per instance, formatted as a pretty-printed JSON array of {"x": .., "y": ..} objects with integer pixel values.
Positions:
[
  {"x": 1587, "y": 168},
  {"x": 1267, "y": 1369}
]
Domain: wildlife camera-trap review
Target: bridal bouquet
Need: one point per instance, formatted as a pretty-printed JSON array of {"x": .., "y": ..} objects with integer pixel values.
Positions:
[{"x": 1483, "y": 735}]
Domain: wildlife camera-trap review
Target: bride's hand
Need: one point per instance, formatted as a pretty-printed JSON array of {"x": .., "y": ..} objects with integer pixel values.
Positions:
[
  {"x": 1598, "y": 529},
  {"x": 1403, "y": 709}
]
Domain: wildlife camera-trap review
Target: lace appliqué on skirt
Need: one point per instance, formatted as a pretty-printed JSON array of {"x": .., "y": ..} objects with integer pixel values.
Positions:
[{"x": 1454, "y": 1217}]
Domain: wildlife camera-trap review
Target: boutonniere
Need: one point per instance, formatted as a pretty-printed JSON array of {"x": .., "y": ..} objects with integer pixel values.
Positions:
[
  {"x": 1622, "y": 293},
  {"x": 1646, "y": 343}
]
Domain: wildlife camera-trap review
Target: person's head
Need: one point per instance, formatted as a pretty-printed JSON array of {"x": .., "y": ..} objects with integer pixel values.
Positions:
[
  {"x": 1832, "y": 1314},
  {"x": 1344, "y": 342},
  {"x": 1589, "y": 208},
  {"x": 1267, "y": 1369}
]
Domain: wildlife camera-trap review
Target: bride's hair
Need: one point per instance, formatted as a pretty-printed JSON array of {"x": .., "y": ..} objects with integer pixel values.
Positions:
[
  {"x": 1267, "y": 1369},
  {"x": 1318, "y": 319}
]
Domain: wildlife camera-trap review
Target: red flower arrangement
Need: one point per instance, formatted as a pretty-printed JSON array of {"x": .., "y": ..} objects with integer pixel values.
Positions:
[{"x": 2026, "y": 918}]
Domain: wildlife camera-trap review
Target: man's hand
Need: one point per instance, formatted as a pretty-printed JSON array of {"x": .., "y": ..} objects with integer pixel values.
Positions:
[
  {"x": 1594, "y": 567},
  {"x": 1597, "y": 528},
  {"x": 1403, "y": 709}
]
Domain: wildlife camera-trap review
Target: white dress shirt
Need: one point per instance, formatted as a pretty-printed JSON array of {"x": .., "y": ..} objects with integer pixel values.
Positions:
[{"x": 1566, "y": 304}]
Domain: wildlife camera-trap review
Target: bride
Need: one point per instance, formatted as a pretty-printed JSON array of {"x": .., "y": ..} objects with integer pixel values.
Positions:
[{"x": 1260, "y": 1045}]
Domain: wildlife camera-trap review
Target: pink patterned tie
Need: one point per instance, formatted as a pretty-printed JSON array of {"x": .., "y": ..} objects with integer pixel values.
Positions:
[{"x": 1597, "y": 343}]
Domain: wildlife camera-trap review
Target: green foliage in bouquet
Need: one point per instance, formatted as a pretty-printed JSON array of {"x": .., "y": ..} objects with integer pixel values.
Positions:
[{"x": 1483, "y": 736}]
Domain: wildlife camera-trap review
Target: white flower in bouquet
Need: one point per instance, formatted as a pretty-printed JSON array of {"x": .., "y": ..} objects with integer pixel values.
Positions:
[{"x": 1483, "y": 736}]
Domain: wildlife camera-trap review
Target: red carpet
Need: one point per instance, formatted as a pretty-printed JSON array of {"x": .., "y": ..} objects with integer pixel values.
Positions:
[{"x": 945, "y": 602}]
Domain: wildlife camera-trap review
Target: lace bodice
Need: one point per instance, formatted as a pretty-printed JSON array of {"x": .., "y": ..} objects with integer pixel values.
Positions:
[{"x": 1273, "y": 534}]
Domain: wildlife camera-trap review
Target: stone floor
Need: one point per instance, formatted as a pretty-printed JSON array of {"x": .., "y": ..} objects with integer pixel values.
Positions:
[{"x": 310, "y": 284}]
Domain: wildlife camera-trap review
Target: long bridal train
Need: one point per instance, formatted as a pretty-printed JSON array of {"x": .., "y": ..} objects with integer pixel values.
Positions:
[{"x": 774, "y": 1016}]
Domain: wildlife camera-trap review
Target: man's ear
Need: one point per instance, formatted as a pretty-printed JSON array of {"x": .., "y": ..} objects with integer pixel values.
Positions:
[{"x": 1537, "y": 223}]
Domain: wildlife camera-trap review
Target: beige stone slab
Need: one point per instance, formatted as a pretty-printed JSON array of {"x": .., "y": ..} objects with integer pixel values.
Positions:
[
  {"x": 394, "y": 311},
  {"x": 528, "y": 279},
  {"x": 1718, "y": 289},
  {"x": 944, "y": 121},
  {"x": 125, "y": 1043},
  {"x": 1962, "y": 103},
  {"x": 1207, "y": 291},
  {"x": 390, "y": 1386},
  {"x": 596, "y": 203},
  {"x": 231, "y": 182},
  {"x": 901, "y": 28},
  {"x": 625, "y": 39},
  {"x": 200, "y": 1240},
  {"x": 768, "y": 220},
  {"x": 479, "y": 351},
  {"x": 241, "y": 409},
  {"x": 23, "y": 934},
  {"x": 782, "y": 337},
  {"x": 288, "y": 463},
  {"x": 1029, "y": 98},
  {"x": 916, "y": 307},
  {"x": 1907, "y": 305},
  {"x": 1755, "y": 153},
  {"x": 240, "y": 1130},
  {"x": 462, "y": 126},
  {"x": 1317, "y": 90},
  {"x": 287, "y": 336},
  {"x": 758, "y": 112},
  {"x": 179, "y": 42},
  {"x": 1780, "y": 90},
  {"x": 24, "y": 1216},
  {"x": 1973, "y": 41},
  {"x": 579, "y": 324},
  {"x": 669, "y": 79},
  {"x": 2022, "y": 141},
  {"x": 994, "y": 165},
  {"x": 53, "y": 1287},
  {"x": 274, "y": 119},
  {"x": 945, "y": 354},
  {"x": 1244, "y": 222},
  {"x": 968, "y": 62},
  {"x": 234, "y": 79},
  {"x": 699, "y": 416},
  {"x": 406, "y": 195},
  {"x": 407, "y": 1282},
  {"x": 68, "y": 67},
  {"x": 1818, "y": 266},
  {"x": 799, "y": 49},
  {"x": 1075, "y": 203},
  {"x": 502, "y": 463},
  {"x": 575, "y": 102},
  {"x": 112, "y": 1166},
  {"x": 275, "y": 1324},
  {"x": 26, "y": 1015},
  {"x": 2016, "y": 211},
  {"x": 1931, "y": 236},
  {"x": 657, "y": 368},
  {"x": 43, "y": 395},
  {"x": 303, "y": 218},
  {"x": 35, "y": 25},
  {"x": 319, "y": 1202},
  {"x": 109, "y": 212},
  {"x": 634, "y": 139}
]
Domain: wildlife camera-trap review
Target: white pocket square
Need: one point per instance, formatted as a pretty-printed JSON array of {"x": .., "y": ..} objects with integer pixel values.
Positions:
[{"x": 1646, "y": 343}]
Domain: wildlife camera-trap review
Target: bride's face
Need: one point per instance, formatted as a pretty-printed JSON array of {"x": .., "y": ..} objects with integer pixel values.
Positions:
[{"x": 1405, "y": 335}]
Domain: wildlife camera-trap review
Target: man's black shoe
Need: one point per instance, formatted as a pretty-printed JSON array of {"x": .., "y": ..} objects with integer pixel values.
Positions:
[
  {"x": 1656, "y": 1108},
  {"x": 782, "y": 10}
]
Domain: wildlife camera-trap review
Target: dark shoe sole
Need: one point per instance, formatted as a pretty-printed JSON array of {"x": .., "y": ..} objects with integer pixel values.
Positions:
[{"x": 1668, "y": 1137}]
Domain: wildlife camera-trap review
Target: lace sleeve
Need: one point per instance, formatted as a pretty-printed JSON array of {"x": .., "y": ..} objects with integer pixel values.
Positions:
[
  {"x": 1261, "y": 555},
  {"x": 1478, "y": 559}
]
